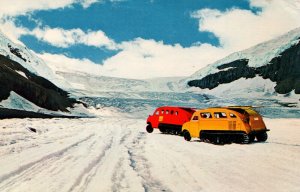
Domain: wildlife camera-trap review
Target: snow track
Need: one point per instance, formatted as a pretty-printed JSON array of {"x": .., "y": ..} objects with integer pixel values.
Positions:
[
  {"x": 116, "y": 154},
  {"x": 74, "y": 155}
]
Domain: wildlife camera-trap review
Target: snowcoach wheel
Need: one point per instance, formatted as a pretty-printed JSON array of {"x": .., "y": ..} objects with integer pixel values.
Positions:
[
  {"x": 262, "y": 137},
  {"x": 179, "y": 133},
  {"x": 251, "y": 138},
  {"x": 162, "y": 129},
  {"x": 245, "y": 138},
  {"x": 149, "y": 128},
  {"x": 218, "y": 140},
  {"x": 186, "y": 136}
]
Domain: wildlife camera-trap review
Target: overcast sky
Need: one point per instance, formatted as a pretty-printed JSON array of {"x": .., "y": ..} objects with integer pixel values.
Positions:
[{"x": 143, "y": 38}]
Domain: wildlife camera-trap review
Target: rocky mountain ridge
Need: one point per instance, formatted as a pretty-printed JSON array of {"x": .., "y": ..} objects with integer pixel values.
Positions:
[
  {"x": 21, "y": 72},
  {"x": 277, "y": 60}
]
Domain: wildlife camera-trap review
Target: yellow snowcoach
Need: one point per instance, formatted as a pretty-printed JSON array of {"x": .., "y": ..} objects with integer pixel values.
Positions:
[{"x": 240, "y": 124}]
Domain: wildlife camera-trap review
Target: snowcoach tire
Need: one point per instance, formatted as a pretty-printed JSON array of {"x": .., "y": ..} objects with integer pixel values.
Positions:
[
  {"x": 251, "y": 138},
  {"x": 245, "y": 138},
  {"x": 262, "y": 137},
  {"x": 149, "y": 128},
  {"x": 162, "y": 129},
  {"x": 179, "y": 133},
  {"x": 187, "y": 136}
]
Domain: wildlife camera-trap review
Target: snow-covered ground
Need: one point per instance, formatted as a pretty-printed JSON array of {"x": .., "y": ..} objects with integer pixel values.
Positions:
[{"x": 114, "y": 153}]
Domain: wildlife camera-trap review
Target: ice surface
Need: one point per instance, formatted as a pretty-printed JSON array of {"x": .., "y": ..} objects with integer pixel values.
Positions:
[{"x": 114, "y": 153}]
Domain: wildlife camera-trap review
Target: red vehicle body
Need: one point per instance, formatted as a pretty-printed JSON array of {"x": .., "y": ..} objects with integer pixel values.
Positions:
[{"x": 169, "y": 119}]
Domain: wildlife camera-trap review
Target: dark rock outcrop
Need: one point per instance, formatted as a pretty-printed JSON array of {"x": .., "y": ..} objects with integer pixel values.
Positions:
[
  {"x": 16, "y": 52},
  {"x": 284, "y": 70},
  {"x": 36, "y": 89}
]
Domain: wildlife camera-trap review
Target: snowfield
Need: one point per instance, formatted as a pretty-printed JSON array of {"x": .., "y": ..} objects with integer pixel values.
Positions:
[{"x": 116, "y": 154}]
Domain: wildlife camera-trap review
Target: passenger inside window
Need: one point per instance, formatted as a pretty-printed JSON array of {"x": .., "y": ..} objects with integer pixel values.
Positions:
[
  {"x": 223, "y": 115},
  {"x": 167, "y": 112},
  {"x": 176, "y": 113},
  {"x": 205, "y": 115},
  {"x": 162, "y": 112},
  {"x": 220, "y": 115},
  {"x": 157, "y": 112},
  {"x": 232, "y": 115}
]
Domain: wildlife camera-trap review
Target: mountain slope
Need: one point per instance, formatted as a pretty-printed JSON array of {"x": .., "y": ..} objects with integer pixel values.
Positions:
[
  {"x": 23, "y": 73},
  {"x": 277, "y": 60}
]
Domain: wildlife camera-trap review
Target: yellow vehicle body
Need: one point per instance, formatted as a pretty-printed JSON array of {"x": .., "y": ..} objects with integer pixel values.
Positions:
[{"x": 226, "y": 124}]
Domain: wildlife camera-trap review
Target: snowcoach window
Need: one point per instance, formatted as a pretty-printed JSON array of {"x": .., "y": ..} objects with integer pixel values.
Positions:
[
  {"x": 176, "y": 113},
  {"x": 232, "y": 115},
  {"x": 162, "y": 112},
  {"x": 239, "y": 110},
  {"x": 220, "y": 115},
  {"x": 167, "y": 112},
  {"x": 157, "y": 112},
  {"x": 172, "y": 112},
  {"x": 195, "y": 117},
  {"x": 205, "y": 115}
]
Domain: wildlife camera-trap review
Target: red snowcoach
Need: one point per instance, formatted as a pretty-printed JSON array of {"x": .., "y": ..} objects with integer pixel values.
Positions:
[{"x": 169, "y": 119}]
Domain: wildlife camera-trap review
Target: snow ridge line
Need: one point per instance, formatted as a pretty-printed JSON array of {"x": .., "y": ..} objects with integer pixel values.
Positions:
[
  {"x": 91, "y": 168},
  {"x": 55, "y": 154}
]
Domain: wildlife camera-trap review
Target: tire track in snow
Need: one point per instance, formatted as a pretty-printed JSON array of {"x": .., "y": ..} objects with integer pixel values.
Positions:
[
  {"x": 16, "y": 141},
  {"x": 118, "y": 178},
  {"x": 121, "y": 153},
  {"x": 285, "y": 144},
  {"x": 123, "y": 174},
  {"x": 180, "y": 171},
  {"x": 141, "y": 165},
  {"x": 89, "y": 171},
  {"x": 114, "y": 171},
  {"x": 82, "y": 182},
  {"x": 15, "y": 176}
]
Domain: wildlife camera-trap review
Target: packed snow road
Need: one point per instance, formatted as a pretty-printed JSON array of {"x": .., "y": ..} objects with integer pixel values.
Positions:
[{"x": 116, "y": 154}]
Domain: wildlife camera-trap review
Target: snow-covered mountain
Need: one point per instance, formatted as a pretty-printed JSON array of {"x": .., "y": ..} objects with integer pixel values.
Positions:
[
  {"x": 264, "y": 75},
  {"x": 271, "y": 67},
  {"x": 27, "y": 83}
]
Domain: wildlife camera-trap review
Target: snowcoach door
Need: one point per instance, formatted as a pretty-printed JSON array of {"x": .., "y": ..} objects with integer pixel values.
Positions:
[
  {"x": 232, "y": 122},
  {"x": 194, "y": 125}
]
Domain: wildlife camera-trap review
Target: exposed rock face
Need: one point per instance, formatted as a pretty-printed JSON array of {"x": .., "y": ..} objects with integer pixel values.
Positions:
[
  {"x": 38, "y": 90},
  {"x": 284, "y": 70},
  {"x": 16, "y": 52}
]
